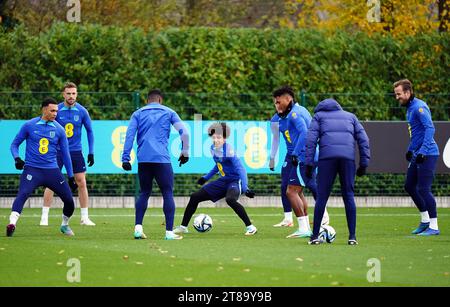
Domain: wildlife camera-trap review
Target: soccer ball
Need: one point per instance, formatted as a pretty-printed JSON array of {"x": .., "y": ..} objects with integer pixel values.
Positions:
[
  {"x": 203, "y": 223},
  {"x": 327, "y": 233}
]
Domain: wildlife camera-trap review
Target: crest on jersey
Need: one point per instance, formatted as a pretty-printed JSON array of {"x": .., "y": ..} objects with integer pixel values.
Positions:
[
  {"x": 294, "y": 115},
  {"x": 52, "y": 134},
  {"x": 76, "y": 118},
  {"x": 421, "y": 110},
  {"x": 29, "y": 177}
]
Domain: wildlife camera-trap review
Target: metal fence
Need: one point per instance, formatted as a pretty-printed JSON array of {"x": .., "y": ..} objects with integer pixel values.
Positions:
[
  {"x": 263, "y": 185},
  {"x": 212, "y": 106},
  {"x": 223, "y": 106}
]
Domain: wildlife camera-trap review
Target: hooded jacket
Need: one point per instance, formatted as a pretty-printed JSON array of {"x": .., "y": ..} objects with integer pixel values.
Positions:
[{"x": 337, "y": 132}]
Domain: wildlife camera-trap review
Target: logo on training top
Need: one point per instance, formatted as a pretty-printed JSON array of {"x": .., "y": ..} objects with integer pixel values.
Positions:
[
  {"x": 29, "y": 177},
  {"x": 421, "y": 110},
  {"x": 294, "y": 115},
  {"x": 76, "y": 118},
  {"x": 52, "y": 134}
]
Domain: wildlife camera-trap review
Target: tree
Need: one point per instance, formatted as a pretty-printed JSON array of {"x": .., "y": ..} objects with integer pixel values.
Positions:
[
  {"x": 444, "y": 17},
  {"x": 396, "y": 16}
]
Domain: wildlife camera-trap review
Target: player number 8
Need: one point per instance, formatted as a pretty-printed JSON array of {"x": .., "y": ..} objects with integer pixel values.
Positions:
[
  {"x": 43, "y": 146},
  {"x": 69, "y": 130}
]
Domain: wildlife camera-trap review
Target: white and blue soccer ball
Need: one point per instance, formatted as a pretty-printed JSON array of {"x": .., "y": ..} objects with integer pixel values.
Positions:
[
  {"x": 203, "y": 222},
  {"x": 327, "y": 233}
]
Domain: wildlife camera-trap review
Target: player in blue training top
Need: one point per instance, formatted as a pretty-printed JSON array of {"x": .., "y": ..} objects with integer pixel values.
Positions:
[
  {"x": 293, "y": 127},
  {"x": 73, "y": 116},
  {"x": 231, "y": 184},
  {"x": 152, "y": 124},
  {"x": 43, "y": 136},
  {"x": 422, "y": 156},
  {"x": 280, "y": 122}
]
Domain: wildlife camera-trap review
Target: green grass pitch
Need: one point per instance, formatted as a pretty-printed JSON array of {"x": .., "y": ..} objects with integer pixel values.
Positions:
[{"x": 109, "y": 256}]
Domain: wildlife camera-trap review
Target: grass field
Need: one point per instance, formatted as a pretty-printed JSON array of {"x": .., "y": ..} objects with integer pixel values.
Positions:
[{"x": 109, "y": 256}]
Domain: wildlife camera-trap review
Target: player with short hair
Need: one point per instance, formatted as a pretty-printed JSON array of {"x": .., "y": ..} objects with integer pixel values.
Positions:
[
  {"x": 152, "y": 124},
  {"x": 43, "y": 136},
  {"x": 293, "y": 126},
  {"x": 422, "y": 156},
  {"x": 279, "y": 124},
  {"x": 230, "y": 185},
  {"x": 73, "y": 116}
]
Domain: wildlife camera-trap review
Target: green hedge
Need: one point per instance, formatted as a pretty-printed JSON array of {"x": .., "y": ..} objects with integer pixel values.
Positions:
[
  {"x": 227, "y": 69},
  {"x": 221, "y": 73}
]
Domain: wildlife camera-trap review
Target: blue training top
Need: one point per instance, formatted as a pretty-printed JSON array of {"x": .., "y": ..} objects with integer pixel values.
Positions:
[
  {"x": 421, "y": 129},
  {"x": 152, "y": 124},
  {"x": 43, "y": 140},
  {"x": 72, "y": 119},
  {"x": 228, "y": 165}
]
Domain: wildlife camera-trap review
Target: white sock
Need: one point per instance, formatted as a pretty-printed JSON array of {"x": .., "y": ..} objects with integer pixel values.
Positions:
[
  {"x": 434, "y": 223},
  {"x": 288, "y": 216},
  {"x": 183, "y": 227},
  {"x": 138, "y": 228},
  {"x": 326, "y": 217},
  {"x": 13, "y": 217},
  {"x": 302, "y": 226},
  {"x": 307, "y": 222},
  {"x": 169, "y": 233},
  {"x": 65, "y": 220},
  {"x": 45, "y": 211},
  {"x": 84, "y": 213},
  {"x": 425, "y": 218}
]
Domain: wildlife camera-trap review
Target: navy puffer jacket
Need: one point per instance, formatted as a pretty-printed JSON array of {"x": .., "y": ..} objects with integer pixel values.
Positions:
[{"x": 337, "y": 132}]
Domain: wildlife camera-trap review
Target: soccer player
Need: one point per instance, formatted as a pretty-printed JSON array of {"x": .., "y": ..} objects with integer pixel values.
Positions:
[
  {"x": 422, "y": 156},
  {"x": 279, "y": 123},
  {"x": 336, "y": 132},
  {"x": 231, "y": 183},
  {"x": 73, "y": 116},
  {"x": 43, "y": 136},
  {"x": 152, "y": 124},
  {"x": 293, "y": 127}
]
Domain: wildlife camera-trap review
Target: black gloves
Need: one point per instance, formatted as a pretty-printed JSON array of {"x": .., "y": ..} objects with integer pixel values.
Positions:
[
  {"x": 409, "y": 156},
  {"x": 72, "y": 184},
  {"x": 126, "y": 166},
  {"x": 420, "y": 158},
  {"x": 90, "y": 160},
  {"x": 361, "y": 171},
  {"x": 249, "y": 193},
  {"x": 201, "y": 181},
  {"x": 294, "y": 161},
  {"x": 19, "y": 163},
  {"x": 272, "y": 164},
  {"x": 183, "y": 159},
  {"x": 309, "y": 171}
]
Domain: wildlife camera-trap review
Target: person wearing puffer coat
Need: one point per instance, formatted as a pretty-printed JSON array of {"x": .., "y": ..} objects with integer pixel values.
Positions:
[{"x": 337, "y": 132}]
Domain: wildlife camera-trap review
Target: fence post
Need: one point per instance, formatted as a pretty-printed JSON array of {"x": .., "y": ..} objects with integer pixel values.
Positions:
[
  {"x": 303, "y": 98},
  {"x": 137, "y": 103}
]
